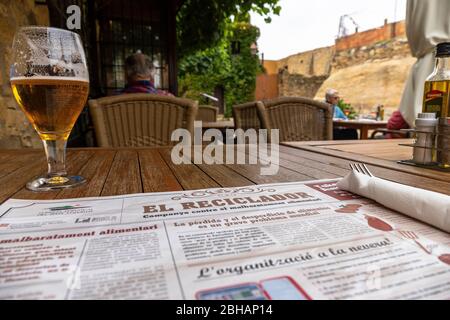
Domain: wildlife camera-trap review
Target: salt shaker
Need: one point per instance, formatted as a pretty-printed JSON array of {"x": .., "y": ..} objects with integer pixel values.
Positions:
[{"x": 425, "y": 135}]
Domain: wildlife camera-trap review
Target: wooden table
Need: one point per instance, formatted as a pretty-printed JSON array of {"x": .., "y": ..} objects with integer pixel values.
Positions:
[
  {"x": 123, "y": 171},
  {"x": 362, "y": 125},
  {"x": 224, "y": 124},
  {"x": 221, "y": 125}
]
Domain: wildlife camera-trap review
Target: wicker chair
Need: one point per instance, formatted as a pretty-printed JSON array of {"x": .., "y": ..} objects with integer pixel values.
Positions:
[
  {"x": 297, "y": 118},
  {"x": 207, "y": 113},
  {"x": 246, "y": 116},
  {"x": 140, "y": 119}
]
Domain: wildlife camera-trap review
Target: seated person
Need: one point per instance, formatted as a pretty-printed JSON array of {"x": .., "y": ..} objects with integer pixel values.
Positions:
[
  {"x": 332, "y": 97},
  {"x": 396, "y": 122},
  {"x": 139, "y": 72}
]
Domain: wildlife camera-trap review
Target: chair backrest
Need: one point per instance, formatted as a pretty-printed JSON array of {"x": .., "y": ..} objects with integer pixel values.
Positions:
[
  {"x": 140, "y": 119},
  {"x": 207, "y": 113},
  {"x": 297, "y": 118},
  {"x": 246, "y": 116}
]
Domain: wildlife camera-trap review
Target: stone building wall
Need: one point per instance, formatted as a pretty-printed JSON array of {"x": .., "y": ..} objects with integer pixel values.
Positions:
[
  {"x": 291, "y": 85},
  {"x": 315, "y": 62},
  {"x": 302, "y": 74},
  {"x": 15, "y": 130},
  {"x": 368, "y": 84},
  {"x": 396, "y": 48}
]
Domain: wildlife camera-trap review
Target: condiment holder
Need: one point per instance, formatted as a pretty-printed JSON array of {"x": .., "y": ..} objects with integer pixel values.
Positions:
[{"x": 431, "y": 148}]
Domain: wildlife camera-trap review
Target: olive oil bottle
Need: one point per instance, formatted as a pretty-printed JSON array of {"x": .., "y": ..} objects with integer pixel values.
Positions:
[{"x": 436, "y": 95}]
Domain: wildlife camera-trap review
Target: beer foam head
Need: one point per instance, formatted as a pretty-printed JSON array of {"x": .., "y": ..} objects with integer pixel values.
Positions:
[
  {"x": 47, "y": 78},
  {"x": 48, "y": 52}
]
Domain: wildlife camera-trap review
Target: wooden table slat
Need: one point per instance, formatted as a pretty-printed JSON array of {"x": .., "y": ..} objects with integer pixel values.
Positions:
[
  {"x": 401, "y": 152},
  {"x": 95, "y": 172},
  {"x": 315, "y": 169},
  {"x": 13, "y": 162},
  {"x": 253, "y": 171},
  {"x": 188, "y": 175},
  {"x": 344, "y": 142},
  {"x": 14, "y": 181},
  {"x": 328, "y": 164},
  {"x": 124, "y": 176},
  {"x": 223, "y": 175},
  {"x": 296, "y": 164},
  {"x": 75, "y": 161},
  {"x": 156, "y": 175}
]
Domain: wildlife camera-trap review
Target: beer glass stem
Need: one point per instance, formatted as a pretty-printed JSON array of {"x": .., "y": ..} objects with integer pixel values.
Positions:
[{"x": 55, "y": 150}]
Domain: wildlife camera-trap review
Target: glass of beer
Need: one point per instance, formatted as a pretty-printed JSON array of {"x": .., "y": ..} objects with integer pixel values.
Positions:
[{"x": 50, "y": 82}]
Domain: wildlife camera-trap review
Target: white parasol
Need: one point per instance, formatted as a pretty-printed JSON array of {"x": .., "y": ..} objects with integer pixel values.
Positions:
[{"x": 427, "y": 24}]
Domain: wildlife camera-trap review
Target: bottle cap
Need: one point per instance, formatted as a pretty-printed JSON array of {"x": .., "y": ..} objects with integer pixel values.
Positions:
[
  {"x": 427, "y": 119},
  {"x": 443, "y": 49},
  {"x": 426, "y": 115}
]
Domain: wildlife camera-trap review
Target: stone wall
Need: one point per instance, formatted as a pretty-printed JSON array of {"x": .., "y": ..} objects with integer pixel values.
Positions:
[
  {"x": 15, "y": 130},
  {"x": 291, "y": 85},
  {"x": 316, "y": 62},
  {"x": 302, "y": 74},
  {"x": 396, "y": 48},
  {"x": 370, "y": 83}
]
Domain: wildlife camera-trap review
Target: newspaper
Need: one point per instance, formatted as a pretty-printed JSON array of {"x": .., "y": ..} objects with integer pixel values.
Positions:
[{"x": 303, "y": 240}]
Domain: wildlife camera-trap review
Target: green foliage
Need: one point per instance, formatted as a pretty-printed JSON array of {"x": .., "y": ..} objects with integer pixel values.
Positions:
[
  {"x": 202, "y": 24},
  {"x": 347, "y": 108},
  {"x": 205, "y": 69}
]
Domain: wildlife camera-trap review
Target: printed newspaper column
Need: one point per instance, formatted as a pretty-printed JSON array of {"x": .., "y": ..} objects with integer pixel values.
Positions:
[{"x": 118, "y": 262}]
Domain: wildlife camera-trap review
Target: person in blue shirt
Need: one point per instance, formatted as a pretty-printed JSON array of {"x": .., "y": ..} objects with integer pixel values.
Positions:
[
  {"x": 339, "y": 114},
  {"x": 332, "y": 97}
]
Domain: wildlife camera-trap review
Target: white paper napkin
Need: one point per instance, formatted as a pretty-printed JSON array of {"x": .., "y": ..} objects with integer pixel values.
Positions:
[{"x": 427, "y": 206}]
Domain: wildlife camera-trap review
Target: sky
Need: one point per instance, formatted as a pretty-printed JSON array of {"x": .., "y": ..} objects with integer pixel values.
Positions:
[{"x": 309, "y": 24}]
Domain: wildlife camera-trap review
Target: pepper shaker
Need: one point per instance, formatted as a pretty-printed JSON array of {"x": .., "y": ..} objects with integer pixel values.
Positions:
[
  {"x": 443, "y": 143},
  {"x": 425, "y": 137}
]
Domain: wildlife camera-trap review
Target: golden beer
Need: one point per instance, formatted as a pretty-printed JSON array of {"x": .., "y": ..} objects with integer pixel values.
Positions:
[
  {"x": 50, "y": 82},
  {"x": 52, "y": 104}
]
